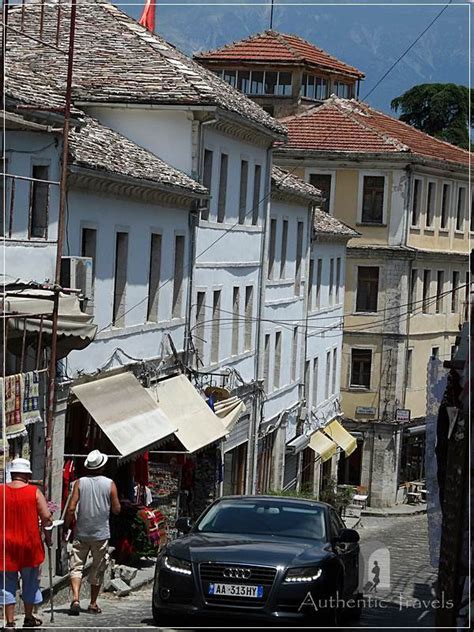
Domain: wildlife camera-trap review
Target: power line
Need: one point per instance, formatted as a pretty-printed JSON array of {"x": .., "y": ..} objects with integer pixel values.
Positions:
[{"x": 407, "y": 50}]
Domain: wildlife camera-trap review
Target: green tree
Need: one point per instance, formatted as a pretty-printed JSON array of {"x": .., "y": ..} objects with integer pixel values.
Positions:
[{"x": 439, "y": 109}]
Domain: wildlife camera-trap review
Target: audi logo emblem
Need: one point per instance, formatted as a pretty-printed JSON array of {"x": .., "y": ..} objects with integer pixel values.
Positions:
[{"x": 237, "y": 573}]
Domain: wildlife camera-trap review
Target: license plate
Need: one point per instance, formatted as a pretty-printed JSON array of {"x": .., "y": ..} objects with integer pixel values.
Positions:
[{"x": 235, "y": 590}]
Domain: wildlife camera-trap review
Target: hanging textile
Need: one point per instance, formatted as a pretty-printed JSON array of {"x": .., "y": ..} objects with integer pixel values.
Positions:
[
  {"x": 31, "y": 398},
  {"x": 141, "y": 469},
  {"x": 12, "y": 405}
]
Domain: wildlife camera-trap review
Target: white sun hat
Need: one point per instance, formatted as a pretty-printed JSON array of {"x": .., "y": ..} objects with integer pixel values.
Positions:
[
  {"x": 95, "y": 460},
  {"x": 20, "y": 466}
]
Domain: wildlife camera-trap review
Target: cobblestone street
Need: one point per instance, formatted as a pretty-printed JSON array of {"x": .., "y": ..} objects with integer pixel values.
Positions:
[{"x": 398, "y": 605}]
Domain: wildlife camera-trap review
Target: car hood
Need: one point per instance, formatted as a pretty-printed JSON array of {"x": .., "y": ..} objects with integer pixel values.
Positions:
[{"x": 235, "y": 549}]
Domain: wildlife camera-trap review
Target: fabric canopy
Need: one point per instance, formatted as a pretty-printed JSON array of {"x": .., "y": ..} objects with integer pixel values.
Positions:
[
  {"x": 125, "y": 412},
  {"x": 197, "y": 425},
  {"x": 344, "y": 439},
  {"x": 322, "y": 445},
  {"x": 229, "y": 411},
  {"x": 75, "y": 328}
]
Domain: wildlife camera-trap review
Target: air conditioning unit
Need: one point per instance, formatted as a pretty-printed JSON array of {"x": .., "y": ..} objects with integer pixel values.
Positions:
[{"x": 76, "y": 274}]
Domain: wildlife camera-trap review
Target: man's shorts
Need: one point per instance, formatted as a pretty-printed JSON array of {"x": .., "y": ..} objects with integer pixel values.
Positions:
[
  {"x": 100, "y": 556},
  {"x": 30, "y": 586}
]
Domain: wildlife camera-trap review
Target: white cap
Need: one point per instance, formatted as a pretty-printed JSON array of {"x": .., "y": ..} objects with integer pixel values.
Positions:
[
  {"x": 20, "y": 466},
  {"x": 95, "y": 460}
]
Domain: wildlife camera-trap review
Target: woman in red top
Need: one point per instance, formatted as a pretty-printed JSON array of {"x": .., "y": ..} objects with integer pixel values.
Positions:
[{"x": 21, "y": 549}]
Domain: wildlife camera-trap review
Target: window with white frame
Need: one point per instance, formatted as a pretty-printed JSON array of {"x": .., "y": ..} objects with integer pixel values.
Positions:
[
  {"x": 409, "y": 367},
  {"x": 416, "y": 201},
  {"x": 430, "y": 204},
  {"x": 455, "y": 292},
  {"x": 215, "y": 328},
  {"x": 315, "y": 381},
  {"x": 331, "y": 281},
  {"x": 373, "y": 193},
  {"x": 221, "y": 200},
  {"x": 426, "y": 291},
  {"x": 154, "y": 278},
  {"x": 311, "y": 285},
  {"x": 299, "y": 256},
  {"x": 235, "y": 320},
  {"x": 271, "y": 248},
  {"x": 178, "y": 276},
  {"x": 244, "y": 174},
  {"x": 277, "y": 362},
  {"x": 328, "y": 375},
  {"x": 367, "y": 288},
  {"x": 338, "y": 278},
  {"x": 266, "y": 363},
  {"x": 39, "y": 201},
  {"x": 256, "y": 194},
  {"x": 445, "y": 204},
  {"x": 319, "y": 277},
  {"x": 314, "y": 87},
  {"x": 461, "y": 208},
  {"x": 294, "y": 354},
  {"x": 439, "y": 291},
  {"x": 248, "y": 317},
  {"x": 323, "y": 181},
  {"x": 200, "y": 325},
  {"x": 361, "y": 367},
  {"x": 413, "y": 288},
  {"x": 284, "y": 246},
  {"x": 334, "y": 370},
  {"x": 120, "y": 279},
  {"x": 342, "y": 89},
  {"x": 207, "y": 180},
  {"x": 257, "y": 82}
]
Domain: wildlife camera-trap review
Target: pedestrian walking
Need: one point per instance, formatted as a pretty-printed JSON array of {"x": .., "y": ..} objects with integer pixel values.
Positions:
[
  {"x": 92, "y": 499},
  {"x": 22, "y": 507}
]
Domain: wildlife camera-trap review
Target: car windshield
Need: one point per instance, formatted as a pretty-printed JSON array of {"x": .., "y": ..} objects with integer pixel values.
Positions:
[{"x": 265, "y": 517}]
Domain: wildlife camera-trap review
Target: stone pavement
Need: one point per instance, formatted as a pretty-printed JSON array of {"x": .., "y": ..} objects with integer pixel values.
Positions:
[{"x": 401, "y": 545}]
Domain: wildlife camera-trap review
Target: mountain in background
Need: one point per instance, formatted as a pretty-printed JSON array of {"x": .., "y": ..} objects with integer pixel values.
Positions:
[{"x": 368, "y": 37}]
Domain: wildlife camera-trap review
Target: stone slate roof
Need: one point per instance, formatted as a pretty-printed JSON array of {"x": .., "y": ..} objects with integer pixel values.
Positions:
[
  {"x": 98, "y": 147},
  {"x": 117, "y": 60},
  {"x": 325, "y": 224},
  {"x": 285, "y": 182},
  {"x": 274, "y": 47},
  {"x": 347, "y": 125}
]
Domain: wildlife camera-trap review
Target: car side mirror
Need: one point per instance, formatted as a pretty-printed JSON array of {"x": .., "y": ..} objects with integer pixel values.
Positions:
[
  {"x": 348, "y": 536},
  {"x": 183, "y": 524}
]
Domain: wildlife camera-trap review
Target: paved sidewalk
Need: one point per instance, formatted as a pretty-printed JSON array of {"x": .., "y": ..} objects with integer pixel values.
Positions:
[{"x": 398, "y": 511}]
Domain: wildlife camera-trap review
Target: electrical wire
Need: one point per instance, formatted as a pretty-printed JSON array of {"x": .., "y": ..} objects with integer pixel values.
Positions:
[
  {"x": 185, "y": 267},
  {"x": 407, "y": 51}
]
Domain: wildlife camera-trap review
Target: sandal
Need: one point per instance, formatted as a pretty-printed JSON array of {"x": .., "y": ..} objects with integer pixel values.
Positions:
[
  {"x": 75, "y": 608},
  {"x": 94, "y": 609},
  {"x": 32, "y": 623}
]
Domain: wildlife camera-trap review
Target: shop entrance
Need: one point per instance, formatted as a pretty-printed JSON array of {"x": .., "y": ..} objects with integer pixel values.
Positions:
[
  {"x": 413, "y": 458},
  {"x": 350, "y": 467},
  {"x": 235, "y": 470}
]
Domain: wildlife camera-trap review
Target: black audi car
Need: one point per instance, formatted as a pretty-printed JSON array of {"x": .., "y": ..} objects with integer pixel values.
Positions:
[{"x": 268, "y": 559}]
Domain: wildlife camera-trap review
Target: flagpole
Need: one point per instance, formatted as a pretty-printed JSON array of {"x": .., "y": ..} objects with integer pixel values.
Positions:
[{"x": 271, "y": 16}]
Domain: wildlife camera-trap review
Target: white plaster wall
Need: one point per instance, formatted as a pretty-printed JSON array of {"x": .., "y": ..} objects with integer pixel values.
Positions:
[
  {"x": 285, "y": 310},
  {"x": 325, "y": 334},
  {"x": 166, "y": 133},
  {"x": 228, "y": 255},
  {"x": 23, "y": 258},
  {"x": 108, "y": 215}
]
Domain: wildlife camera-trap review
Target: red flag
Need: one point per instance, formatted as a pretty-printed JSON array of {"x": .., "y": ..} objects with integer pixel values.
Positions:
[{"x": 148, "y": 16}]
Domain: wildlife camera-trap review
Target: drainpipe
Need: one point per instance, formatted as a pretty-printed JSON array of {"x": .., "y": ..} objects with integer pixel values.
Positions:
[
  {"x": 197, "y": 166},
  {"x": 257, "y": 404}
]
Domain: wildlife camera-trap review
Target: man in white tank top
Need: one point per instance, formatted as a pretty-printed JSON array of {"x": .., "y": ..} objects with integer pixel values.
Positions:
[{"x": 93, "y": 498}]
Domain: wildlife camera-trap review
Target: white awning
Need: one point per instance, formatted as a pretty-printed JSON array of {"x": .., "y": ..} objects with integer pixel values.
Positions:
[
  {"x": 75, "y": 328},
  {"x": 197, "y": 425},
  {"x": 339, "y": 435},
  {"x": 322, "y": 445},
  {"x": 229, "y": 411},
  {"x": 125, "y": 413}
]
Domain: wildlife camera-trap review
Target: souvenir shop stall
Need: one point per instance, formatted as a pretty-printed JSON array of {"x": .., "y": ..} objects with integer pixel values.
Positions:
[
  {"x": 163, "y": 445},
  {"x": 27, "y": 313}
]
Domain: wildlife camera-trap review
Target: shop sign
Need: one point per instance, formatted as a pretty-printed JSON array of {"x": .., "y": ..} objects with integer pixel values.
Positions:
[
  {"x": 369, "y": 411},
  {"x": 402, "y": 415}
]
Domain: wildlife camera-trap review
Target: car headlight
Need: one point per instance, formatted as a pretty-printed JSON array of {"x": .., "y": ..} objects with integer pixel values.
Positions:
[
  {"x": 299, "y": 575},
  {"x": 176, "y": 565}
]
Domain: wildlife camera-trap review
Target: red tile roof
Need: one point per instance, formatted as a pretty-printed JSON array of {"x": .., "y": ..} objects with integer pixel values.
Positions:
[
  {"x": 344, "y": 125},
  {"x": 275, "y": 47}
]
